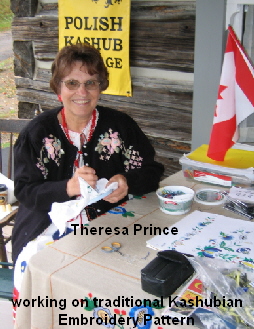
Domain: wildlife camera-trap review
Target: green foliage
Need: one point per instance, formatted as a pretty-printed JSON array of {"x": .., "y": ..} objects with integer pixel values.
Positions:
[{"x": 6, "y": 15}]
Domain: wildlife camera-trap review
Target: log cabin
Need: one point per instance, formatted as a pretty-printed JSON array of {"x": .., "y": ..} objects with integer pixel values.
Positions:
[
  {"x": 169, "y": 40},
  {"x": 161, "y": 60}
]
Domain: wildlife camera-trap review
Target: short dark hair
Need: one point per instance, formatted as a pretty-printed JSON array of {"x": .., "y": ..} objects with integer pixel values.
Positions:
[{"x": 88, "y": 55}]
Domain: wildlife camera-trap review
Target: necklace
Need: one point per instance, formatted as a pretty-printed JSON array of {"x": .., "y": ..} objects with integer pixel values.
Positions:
[
  {"x": 83, "y": 138},
  {"x": 66, "y": 130}
]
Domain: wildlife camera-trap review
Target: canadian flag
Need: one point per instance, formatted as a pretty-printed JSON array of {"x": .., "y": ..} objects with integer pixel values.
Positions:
[{"x": 235, "y": 98}]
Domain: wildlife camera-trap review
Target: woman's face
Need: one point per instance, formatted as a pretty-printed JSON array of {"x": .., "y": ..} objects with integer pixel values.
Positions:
[{"x": 79, "y": 103}]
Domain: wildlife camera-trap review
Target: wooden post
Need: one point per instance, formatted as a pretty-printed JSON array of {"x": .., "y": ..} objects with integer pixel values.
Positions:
[{"x": 24, "y": 8}]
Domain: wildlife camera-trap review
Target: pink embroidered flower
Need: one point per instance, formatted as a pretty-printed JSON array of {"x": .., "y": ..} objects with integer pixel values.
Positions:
[
  {"x": 114, "y": 135},
  {"x": 115, "y": 142},
  {"x": 50, "y": 148},
  {"x": 111, "y": 143},
  {"x": 57, "y": 146},
  {"x": 106, "y": 142}
]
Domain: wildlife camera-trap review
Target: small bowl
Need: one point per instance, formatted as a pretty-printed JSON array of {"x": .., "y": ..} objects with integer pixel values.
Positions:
[{"x": 175, "y": 200}]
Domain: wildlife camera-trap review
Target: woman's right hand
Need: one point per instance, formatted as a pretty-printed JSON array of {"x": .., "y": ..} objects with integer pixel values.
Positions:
[{"x": 87, "y": 173}]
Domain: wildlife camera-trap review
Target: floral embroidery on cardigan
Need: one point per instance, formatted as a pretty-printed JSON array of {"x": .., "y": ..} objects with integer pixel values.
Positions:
[
  {"x": 110, "y": 143},
  {"x": 133, "y": 159},
  {"x": 51, "y": 149}
]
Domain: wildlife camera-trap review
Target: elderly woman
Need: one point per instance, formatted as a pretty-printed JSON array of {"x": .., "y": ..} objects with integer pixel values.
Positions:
[{"x": 79, "y": 139}]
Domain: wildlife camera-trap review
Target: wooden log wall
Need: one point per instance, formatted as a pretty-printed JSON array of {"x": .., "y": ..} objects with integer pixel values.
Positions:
[{"x": 161, "y": 37}]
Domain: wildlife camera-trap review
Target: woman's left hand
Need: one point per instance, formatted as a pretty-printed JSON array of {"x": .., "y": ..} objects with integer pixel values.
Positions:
[{"x": 120, "y": 192}]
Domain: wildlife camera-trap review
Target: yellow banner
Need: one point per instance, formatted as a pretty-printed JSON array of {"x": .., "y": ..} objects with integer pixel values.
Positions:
[{"x": 105, "y": 24}]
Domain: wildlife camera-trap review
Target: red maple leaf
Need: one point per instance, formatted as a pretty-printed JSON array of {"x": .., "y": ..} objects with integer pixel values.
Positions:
[{"x": 221, "y": 89}]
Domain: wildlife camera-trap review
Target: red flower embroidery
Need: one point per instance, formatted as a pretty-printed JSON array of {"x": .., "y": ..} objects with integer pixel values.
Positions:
[{"x": 117, "y": 311}]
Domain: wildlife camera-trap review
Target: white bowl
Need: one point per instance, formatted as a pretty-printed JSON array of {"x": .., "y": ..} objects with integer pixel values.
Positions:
[{"x": 178, "y": 204}]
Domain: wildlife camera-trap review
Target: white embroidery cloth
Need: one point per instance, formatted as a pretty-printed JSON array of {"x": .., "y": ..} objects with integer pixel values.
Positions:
[{"x": 63, "y": 212}]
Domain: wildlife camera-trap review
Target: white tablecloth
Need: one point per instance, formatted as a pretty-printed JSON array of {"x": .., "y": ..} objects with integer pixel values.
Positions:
[{"x": 76, "y": 268}]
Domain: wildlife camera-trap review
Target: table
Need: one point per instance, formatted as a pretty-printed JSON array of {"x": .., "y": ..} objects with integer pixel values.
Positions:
[{"x": 75, "y": 268}]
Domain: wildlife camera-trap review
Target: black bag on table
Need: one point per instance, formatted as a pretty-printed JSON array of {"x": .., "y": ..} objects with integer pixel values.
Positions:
[{"x": 165, "y": 273}]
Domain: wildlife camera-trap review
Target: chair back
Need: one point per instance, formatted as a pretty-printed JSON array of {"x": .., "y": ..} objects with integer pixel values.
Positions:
[
  {"x": 8, "y": 129},
  {"x": 6, "y": 280}
]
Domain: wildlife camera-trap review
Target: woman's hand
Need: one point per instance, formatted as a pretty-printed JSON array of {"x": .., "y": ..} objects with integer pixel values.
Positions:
[
  {"x": 87, "y": 173},
  {"x": 120, "y": 192}
]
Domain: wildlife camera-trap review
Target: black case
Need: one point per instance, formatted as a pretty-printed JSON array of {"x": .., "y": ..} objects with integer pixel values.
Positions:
[{"x": 165, "y": 273}]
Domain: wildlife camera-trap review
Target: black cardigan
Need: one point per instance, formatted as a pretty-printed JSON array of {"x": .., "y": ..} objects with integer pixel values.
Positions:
[{"x": 44, "y": 163}]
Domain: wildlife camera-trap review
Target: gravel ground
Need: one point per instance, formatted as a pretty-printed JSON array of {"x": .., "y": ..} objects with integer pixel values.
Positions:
[
  {"x": 6, "y": 45},
  {"x": 8, "y": 98}
]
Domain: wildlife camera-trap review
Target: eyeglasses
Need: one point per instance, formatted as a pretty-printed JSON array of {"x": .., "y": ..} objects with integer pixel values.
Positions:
[{"x": 75, "y": 84}]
